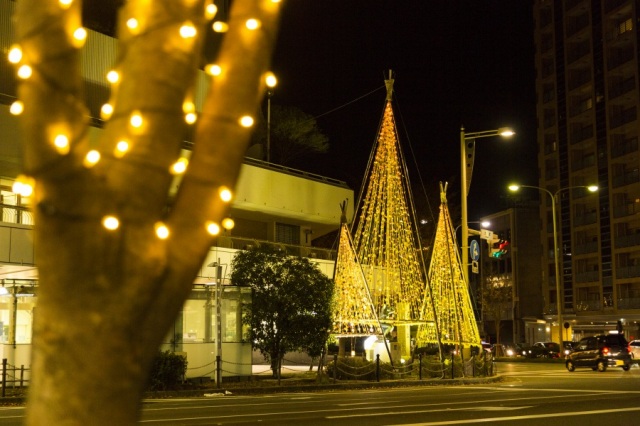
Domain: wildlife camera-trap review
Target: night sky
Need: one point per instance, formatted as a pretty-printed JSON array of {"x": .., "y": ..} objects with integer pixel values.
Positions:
[{"x": 455, "y": 62}]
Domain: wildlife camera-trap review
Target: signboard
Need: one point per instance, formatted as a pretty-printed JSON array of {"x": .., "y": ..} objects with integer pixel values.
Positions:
[{"x": 474, "y": 250}]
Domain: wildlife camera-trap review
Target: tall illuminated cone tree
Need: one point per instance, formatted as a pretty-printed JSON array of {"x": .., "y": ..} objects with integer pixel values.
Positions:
[
  {"x": 385, "y": 237},
  {"x": 353, "y": 310},
  {"x": 452, "y": 302}
]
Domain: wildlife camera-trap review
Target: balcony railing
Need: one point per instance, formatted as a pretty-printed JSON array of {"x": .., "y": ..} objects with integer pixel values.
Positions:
[
  {"x": 590, "y": 247},
  {"x": 16, "y": 214},
  {"x": 628, "y": 240},
  {"x": 587, "y": 277},
  {"x": 628, "y": 271},
  {"x": 629, "y": 303},
  {"x": 240, "y": 243}
]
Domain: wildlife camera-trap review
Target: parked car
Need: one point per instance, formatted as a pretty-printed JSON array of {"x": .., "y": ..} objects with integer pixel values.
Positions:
[
  {"x": 545, "y": 350},
  {"x": 600, "y": 352},
  {"x": 634, "y": 346}
]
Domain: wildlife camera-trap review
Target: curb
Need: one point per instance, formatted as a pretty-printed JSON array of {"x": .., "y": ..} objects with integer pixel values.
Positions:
[{"x": 230, "y": 391}]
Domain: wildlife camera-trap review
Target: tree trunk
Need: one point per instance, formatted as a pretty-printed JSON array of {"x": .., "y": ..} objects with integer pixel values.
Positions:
[{"x": 106, "y": 298}]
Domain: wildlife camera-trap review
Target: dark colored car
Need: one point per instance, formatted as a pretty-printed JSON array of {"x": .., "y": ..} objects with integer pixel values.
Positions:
[
  {"x": 545, "y": 350},
  {"x": 600, "y": 352},
  {"x": 568, "y": 347}
]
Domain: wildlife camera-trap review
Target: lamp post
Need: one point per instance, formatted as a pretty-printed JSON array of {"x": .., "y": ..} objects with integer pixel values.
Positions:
[
  {"x": 556, "y": 260},
  {"x": 467, "y": 147},
  {"x": 271, "y": 81}
]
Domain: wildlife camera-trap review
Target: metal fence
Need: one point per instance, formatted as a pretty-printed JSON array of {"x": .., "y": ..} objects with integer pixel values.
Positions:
[{"x": 13, "y": 377}]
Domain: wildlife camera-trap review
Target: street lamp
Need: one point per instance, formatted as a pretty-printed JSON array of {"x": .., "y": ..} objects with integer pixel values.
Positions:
[
  {"x": 556, "y": 261},
  {"x": 467, "y": 148},
  {"x": 271, "y": 81}
]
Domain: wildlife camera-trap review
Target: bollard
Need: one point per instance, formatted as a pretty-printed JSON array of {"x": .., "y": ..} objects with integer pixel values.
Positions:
[
  {"x": 452, "y": 362},
  {"x": 4, "y": 376},
  {"x": 378, "y": 367},
  {"x": 218, "y": 371},
  {"x": 420, "y": 358},
  {"x": 335, "y": 367}
]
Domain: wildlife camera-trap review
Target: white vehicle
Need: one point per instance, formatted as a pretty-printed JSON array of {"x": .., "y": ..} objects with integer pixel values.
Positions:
[{"x": 634, "y": 347}]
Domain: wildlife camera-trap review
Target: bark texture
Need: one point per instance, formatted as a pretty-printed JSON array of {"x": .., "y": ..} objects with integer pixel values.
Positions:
[{"x": 106, "y": 298}]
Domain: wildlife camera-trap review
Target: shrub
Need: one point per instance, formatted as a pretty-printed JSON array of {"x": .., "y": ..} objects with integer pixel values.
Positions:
[{"x": 168, "y": 371}]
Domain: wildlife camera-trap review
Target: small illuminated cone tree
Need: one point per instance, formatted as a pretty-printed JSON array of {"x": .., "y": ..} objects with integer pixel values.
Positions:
[
  {"x": 353, "y": 310},
  {"x": 107, "y": 296},
  {"x": 385, "y": 237},
  {"x": 452, "y": 301}
]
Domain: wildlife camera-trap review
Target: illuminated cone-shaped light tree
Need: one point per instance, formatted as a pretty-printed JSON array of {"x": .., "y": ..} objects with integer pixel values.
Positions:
[
  {"x": 385, "y": 237},
  {"x": 353, "y": 310},
  {"x": 452, "y": 303}
]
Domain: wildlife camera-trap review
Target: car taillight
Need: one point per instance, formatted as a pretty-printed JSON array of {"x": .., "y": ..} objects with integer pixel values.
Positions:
[{"x": 605, "y": 351}]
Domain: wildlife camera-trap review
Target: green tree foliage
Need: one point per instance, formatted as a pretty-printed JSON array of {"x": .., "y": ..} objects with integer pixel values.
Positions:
[
  {"x": 291, "y": 301},
  {"x": 496, "y": 300},
  {"x": 294, "y": 135}
]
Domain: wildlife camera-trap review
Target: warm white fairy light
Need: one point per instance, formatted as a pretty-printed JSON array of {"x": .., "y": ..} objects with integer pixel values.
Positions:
[
  {"x": 252, "y": 24},
  {"x": 162, "y": 231},
  {"x": 228, "y": 223},
  {"x": 92, "y": 158},
  {"x": 23, "y": 186},
  {"x": 121, "y": 148},
  {"x": 24, "y": 72},
  {"x": 210, "y": 11},
  {"x": 136, "y": 120},
  {"x": 213, "y": 228},
  {"x": 187, "y": 30},
  {"x": 110, "y": 222},
  {"x": 132, "y": 24},
  {"x": 15, "y": 54},
  {"x": 220, "y": 27},
  {"x": 225, "y": 194},
  {"x": 106, "y": 110},
  {"x": 246, "y": 121},
  {"x": 61, "y": 142},
  {"x": 16, "y": 108},
  {"x": 179, "y": 166},
  {"x": 79, "y": 36},
  {"x": 213, "y": 69},
  {"x": 113, "y": 76},
  {"x": 190, "y": 117}
]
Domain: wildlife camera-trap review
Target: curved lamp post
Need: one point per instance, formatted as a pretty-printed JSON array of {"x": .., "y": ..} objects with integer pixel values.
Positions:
[
  {"x": 556, "y": 261},
  {"x": 467, "y": 146}
]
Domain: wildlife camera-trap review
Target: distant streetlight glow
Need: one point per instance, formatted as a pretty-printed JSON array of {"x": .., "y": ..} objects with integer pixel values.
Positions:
[
  {"x": 467, "y": 147},
  {"x": 556, "y": 260}
]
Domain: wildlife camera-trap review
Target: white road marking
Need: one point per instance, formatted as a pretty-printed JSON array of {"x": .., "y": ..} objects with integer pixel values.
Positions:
[{"x": 515, "y": 418}]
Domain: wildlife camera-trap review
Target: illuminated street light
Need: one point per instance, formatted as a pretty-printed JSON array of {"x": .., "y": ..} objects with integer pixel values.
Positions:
[
  {"x": 271, "y": 84},
  {"x": 556, "y": 260},
  {"x": 467, "y": 148}
]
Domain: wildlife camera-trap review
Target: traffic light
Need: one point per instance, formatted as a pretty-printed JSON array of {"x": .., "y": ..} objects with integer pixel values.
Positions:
[{"x": 498, "y": 247}]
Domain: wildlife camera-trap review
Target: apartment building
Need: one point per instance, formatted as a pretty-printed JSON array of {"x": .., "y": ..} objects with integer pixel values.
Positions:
[{"x": 587, "y": 86}]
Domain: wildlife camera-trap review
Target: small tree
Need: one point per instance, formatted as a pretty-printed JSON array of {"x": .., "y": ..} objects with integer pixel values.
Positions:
[
  {"x": 294, "y": 135},
  {"x": 291, "y": 300},
  {"x": 496, "y": 299}
]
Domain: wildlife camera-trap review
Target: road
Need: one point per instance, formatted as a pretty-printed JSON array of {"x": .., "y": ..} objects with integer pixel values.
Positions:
[{"x": 530, "y": 395}]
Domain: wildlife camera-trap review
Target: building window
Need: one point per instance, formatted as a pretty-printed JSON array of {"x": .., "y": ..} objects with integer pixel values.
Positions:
[{"x": 287, "y": 234}]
